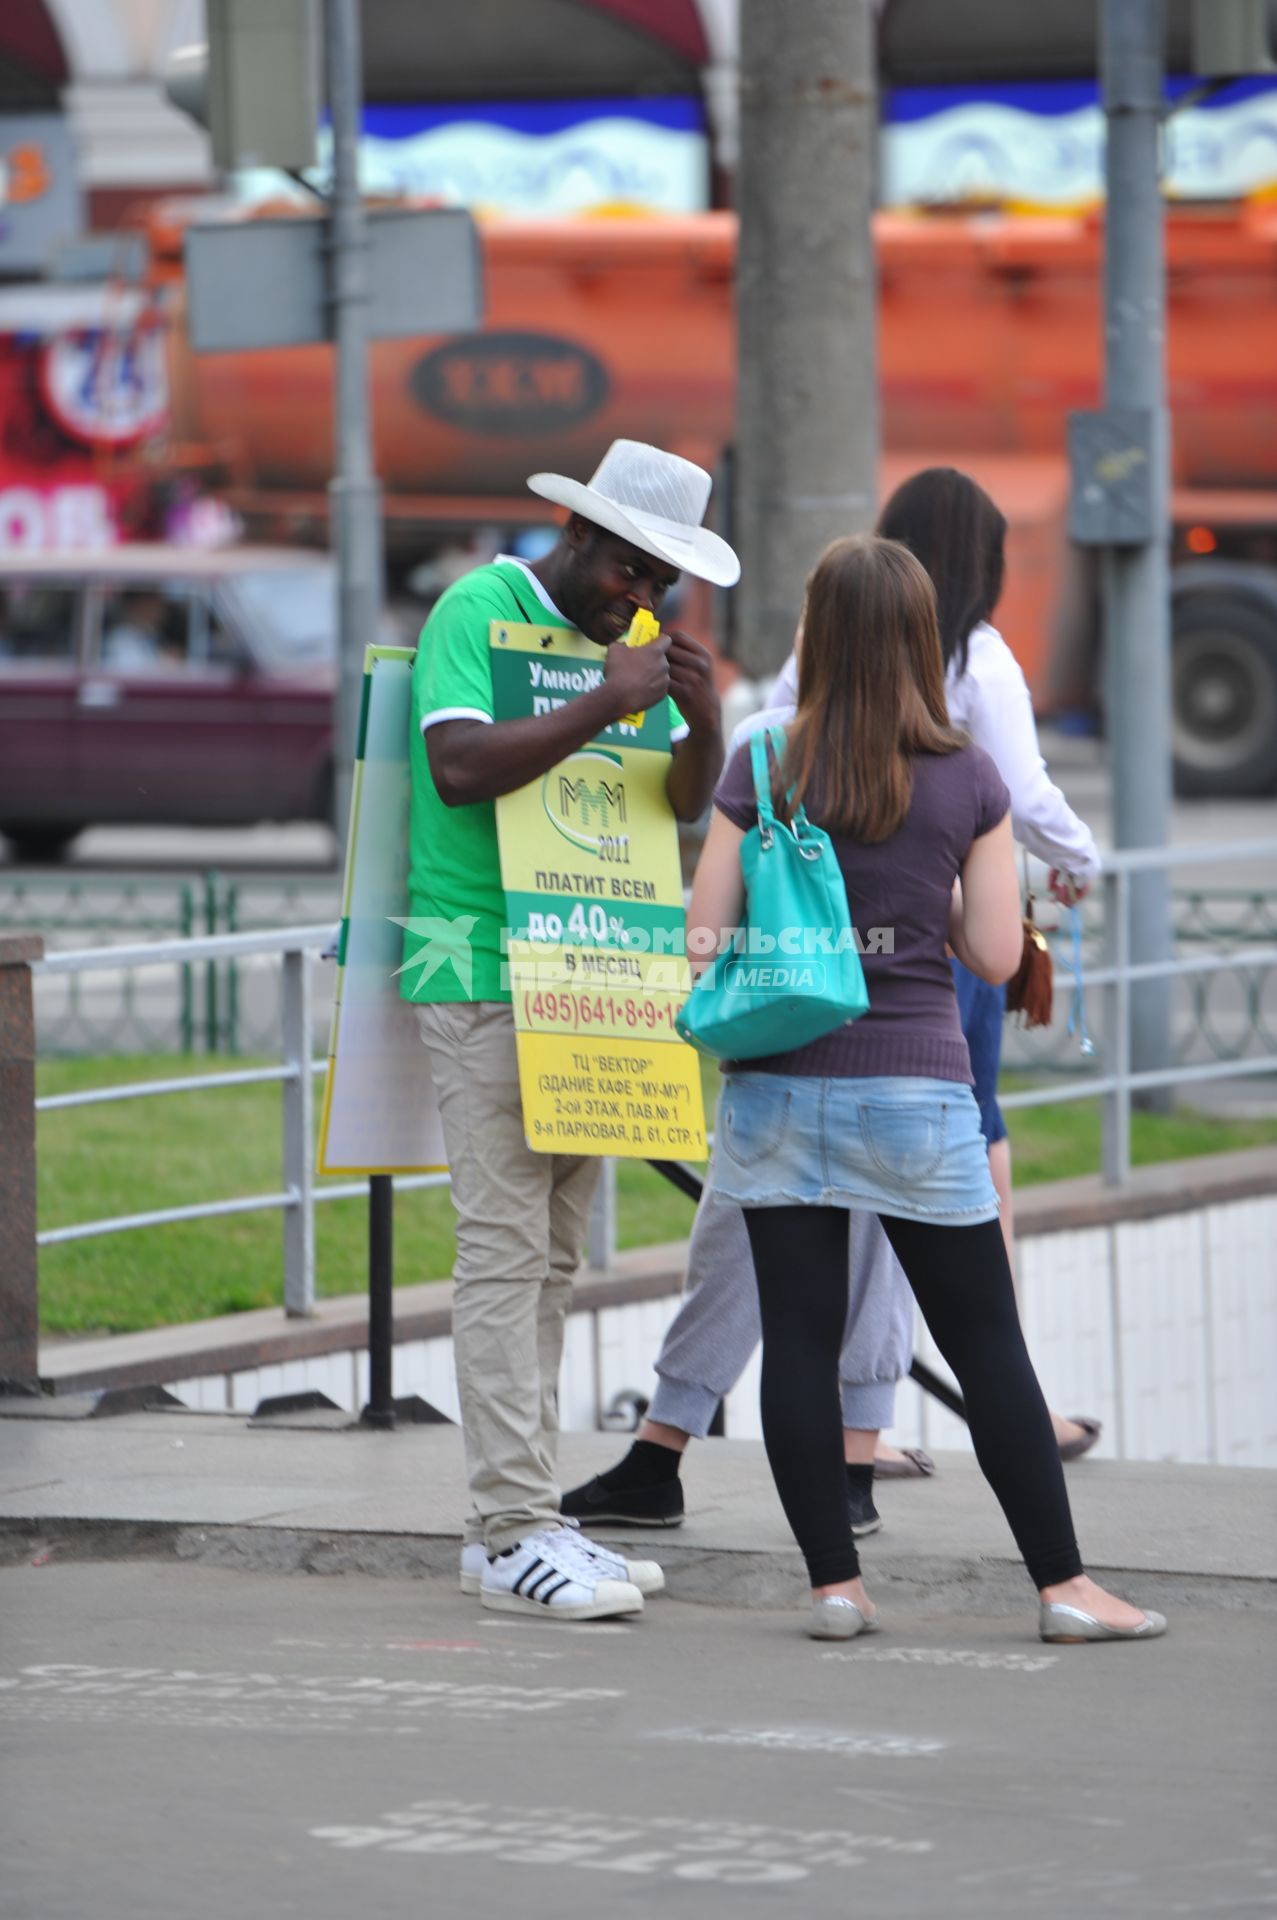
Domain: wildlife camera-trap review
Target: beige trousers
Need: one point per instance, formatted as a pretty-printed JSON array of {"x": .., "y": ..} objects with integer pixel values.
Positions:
[{"x": 521, "y": 1221}]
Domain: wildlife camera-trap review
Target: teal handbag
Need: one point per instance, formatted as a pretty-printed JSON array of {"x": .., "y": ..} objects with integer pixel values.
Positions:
[{"x": 793, "y": 972}]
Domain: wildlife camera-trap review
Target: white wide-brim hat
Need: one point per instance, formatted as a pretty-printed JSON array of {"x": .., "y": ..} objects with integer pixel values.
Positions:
[{"x": 655, "y": 500}]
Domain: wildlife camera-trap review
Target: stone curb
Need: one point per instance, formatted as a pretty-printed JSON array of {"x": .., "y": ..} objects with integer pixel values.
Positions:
[{"x": 742, "y": 1578}]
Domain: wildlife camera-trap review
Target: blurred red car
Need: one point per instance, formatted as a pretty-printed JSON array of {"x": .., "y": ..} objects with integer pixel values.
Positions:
[{"x": 162, "y": 685}]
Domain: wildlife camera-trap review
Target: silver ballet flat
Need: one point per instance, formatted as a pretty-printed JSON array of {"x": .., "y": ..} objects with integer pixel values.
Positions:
[
  {"x": 1069, "y": 1626},
  {"x": 834, "y": 1618}
]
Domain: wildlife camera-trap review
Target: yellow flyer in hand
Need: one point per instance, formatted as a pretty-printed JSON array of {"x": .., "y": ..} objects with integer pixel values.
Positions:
[
  {"x": 644, "y": 628},
  {"x": 594, "y": 912}
]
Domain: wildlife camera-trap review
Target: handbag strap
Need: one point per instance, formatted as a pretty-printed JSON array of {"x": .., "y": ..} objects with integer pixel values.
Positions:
[
  {"x": 758, "y": 746},
  {"x": 800, "y": 827}
]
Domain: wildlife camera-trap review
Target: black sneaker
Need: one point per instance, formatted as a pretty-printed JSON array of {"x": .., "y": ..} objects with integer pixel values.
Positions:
[
  {"x": 865, "y": 1517},
  {"x": 656, "y": 1506}
]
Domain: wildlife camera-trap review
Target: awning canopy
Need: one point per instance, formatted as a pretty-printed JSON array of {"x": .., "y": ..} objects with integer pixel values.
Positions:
[
  {"x": 33, "y": 67},
  {"x": 938, "y": 43},
  {"x": 521, "y": 49},
  {"x": 531, "y": 49}
]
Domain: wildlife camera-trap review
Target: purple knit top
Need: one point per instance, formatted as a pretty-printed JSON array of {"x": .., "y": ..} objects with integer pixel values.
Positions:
[{"x": 898, "y": 892}]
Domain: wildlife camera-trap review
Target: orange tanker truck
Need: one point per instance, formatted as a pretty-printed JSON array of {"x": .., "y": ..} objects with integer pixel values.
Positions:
[{"x": 990, "y": 333}]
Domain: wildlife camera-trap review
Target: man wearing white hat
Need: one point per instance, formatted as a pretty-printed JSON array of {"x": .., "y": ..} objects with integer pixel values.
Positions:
[{"x": 521, "y": 1216}]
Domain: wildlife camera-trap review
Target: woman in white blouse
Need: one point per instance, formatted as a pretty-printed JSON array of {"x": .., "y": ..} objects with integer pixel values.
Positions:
[{"x": 958, "y": 533}]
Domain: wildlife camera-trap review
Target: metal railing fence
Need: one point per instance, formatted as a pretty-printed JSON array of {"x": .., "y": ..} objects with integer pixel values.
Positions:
[
  {"x": 295, "y": 1198},
  {"x": 1114, "y": 1083},
  {"x": 232, "y": 1005},
  {"x": 217, "y": 1006},
  {"x": 298, "y": 1195},
  {"x": 122, "y": 907}
]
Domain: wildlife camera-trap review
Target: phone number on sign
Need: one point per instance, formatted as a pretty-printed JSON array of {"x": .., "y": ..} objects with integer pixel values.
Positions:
[{"x": 579, "y": 1010}]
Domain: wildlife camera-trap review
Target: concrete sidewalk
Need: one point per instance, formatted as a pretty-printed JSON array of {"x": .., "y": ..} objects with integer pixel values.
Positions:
[{"x": 273, "y": 1496}]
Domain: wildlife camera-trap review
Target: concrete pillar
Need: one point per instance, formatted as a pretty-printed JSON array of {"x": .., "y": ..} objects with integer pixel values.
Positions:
[
  {"x": 19, "y": 1295},
  {"x": 807, "y": 414}
]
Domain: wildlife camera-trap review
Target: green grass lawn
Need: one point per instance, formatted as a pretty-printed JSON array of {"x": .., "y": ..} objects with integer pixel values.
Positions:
[
  {"x": 182, "y": 1148},
  {"x": 1057, "y": 1143},
  {"x": 139, "y": 1154}
]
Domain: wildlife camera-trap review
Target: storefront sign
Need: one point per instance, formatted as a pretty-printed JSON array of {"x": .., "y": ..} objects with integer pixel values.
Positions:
[
  {"x": 1040, "y": 144},
  {"x": 105, "y": 387},
  {"x": 530, "y": 157},
  {"x": 40, "y": 208},
  {"x": 34, "y": 517}
]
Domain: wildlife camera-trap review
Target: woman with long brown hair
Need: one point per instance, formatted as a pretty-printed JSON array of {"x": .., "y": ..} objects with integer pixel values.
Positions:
[{"x": 879, "y": 1116}]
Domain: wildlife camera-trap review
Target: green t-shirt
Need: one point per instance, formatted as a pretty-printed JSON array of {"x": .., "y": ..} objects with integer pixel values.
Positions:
[{"x": 454, "y": 869}]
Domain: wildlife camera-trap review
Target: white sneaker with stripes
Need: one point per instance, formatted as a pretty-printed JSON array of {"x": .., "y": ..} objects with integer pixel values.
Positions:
[
  {"x": 646, "y": 1575},
  {"x": 553, "y": 1574}
]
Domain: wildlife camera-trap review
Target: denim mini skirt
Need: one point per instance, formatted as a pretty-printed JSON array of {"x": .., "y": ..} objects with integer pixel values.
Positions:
[{"x": 906, "y": 1147}]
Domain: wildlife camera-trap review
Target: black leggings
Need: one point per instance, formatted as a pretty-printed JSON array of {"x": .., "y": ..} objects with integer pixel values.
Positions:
[{"x": 962, "y": 1281}]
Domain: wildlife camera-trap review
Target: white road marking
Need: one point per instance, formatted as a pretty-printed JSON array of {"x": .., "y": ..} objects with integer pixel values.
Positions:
[
  {"x": 881, "y": 1746},
  {"x": 186, "y": 1696},
  {"x": 734, "y": 1853},
  {"x": 593, "y": 1628},
  {"x": 979, "y": 1659},
  {"x": 406, "y": 1645}
]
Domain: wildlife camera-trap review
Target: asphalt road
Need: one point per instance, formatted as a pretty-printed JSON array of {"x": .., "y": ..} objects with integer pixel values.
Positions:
[
  {"x": 181, "y": 1740},
  {"x": 300, "y": 847}
]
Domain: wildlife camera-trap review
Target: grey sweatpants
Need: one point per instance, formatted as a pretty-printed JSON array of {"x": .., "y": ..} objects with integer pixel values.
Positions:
[{"x": 716, "y": 1329}]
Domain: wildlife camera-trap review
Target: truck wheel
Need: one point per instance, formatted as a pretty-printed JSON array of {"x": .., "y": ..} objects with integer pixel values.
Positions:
[
  {"x": 39, "y": 846},
  {"x": 1223, "y": 696}
]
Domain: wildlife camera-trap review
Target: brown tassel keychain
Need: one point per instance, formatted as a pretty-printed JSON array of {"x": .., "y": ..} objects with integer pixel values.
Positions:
[{"x": 1031, "y": 991}]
